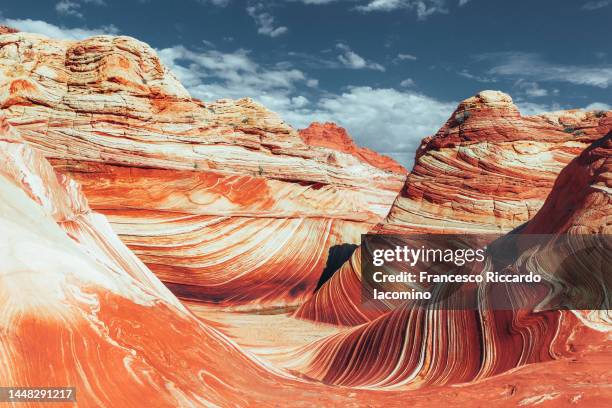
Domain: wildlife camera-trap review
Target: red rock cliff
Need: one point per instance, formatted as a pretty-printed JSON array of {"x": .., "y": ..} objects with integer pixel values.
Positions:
[{"x": 335, "y": 137}]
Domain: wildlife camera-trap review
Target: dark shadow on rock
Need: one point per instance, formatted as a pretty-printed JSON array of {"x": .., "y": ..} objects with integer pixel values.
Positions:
[{"x": 338, "y": 255}]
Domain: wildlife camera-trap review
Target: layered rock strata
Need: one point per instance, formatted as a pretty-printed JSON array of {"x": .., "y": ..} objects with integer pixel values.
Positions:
[
  {"x": 223, "y": 201},
  {"x": 487, "y": 170},
  {"x": 335, "y": 137},
  {"x": 417, "y": 345},
  {"x": 78, "y": 309}
]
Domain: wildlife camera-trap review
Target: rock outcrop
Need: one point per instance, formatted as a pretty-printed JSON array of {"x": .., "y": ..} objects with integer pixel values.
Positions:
[
  {"x": 487, "y": 170},
  {"x": 227, "y": 204},
  {"x": 420, "y": 345},
  {"x": 78, "y": 308},
  {"x": 335, "y": 137},
  {"x": 7, "y": 30},
  {"x": 581, "y": 200},
  {"x": 223, "y": 201}
]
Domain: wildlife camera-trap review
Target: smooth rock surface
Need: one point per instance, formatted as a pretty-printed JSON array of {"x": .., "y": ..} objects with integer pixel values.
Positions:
[
  {"x": 487, "y": 170},
  {"x": 419, "y": 345},
  {"x": 223, "y": 200}
]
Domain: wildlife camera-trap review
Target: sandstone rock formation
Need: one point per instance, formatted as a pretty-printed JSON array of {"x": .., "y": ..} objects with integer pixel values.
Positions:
[
  {"x": 228, "y": 204},
  {"x": 424, "y": 345},
  {"x": 335, "y": 137},
  {"x": 7, "y": 30},
  {"x": 581, "y": 199},
  {"x": 78, "y": 308},
  {"x": 223, "y": 201},
  {"x": 487, "y": 170}
]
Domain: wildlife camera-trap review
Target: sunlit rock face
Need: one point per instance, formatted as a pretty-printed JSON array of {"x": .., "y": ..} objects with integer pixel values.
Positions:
[
  {"x": 335, "y": 137},
  {"x": 487, "y": 170},
  {"x": 421, "y": 346},
  {"x": 78, "y": 309},
  {"x": 223, "y": 201},
  {"x": 581, "y": 200}
]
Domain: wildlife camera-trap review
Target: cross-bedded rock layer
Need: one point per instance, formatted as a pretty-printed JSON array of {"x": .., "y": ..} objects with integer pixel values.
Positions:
[
  {"x": 221, "y": 187},
  {"x": 419, "y": 345},
  {"x": 77, "y": 307},
  {"x": 223, "y": 200},
  {"x": 487, "y": 170}
]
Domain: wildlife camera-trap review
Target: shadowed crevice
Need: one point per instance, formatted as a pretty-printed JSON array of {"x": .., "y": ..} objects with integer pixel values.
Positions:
[{"x": 337, "y": 256}]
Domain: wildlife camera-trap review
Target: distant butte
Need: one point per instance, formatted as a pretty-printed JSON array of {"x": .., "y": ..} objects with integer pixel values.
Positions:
[
  {"x": 7, "y": 30},
  {"x": 336, "y": 137}
]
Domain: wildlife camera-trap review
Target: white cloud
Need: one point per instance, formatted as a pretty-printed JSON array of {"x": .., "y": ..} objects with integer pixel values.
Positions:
[
  {"x": 466, "y": 74},
  {"x": 53, "y": 31},
  {"x": 299, "y": 101},
  {"x": 597, "y": 106},
  {"x": 387, "y": 120},
  {"x": 69, "y": 8},
  {"x": 423, "y": 8},
  {"x": 594, "y": 5},
  {"x": 73, "y": 7},
  {"x": 211, "y": 75},
  {"x": 408, "y": 82},
  {"x": 531, "y": 108},
  {"x": 404, "y": 57},
  {"x": 533, "y": 66},
  {"x": 265, "y": 21},
  {"x": 531, "y": 89},
  {"x": 351, "y": 59}
]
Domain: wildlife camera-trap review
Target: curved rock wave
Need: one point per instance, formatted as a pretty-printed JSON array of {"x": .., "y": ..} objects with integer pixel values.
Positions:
[
  {"x": 415, "y": 345},
  {"x": 487, "y": 170},
  {"x": 78, "y": 309},
  {"x": 174, "y": 174}
]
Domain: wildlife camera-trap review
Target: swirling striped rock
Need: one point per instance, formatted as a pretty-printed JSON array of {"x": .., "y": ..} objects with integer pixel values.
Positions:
[
  {"x": 223, "y": 201},
  {"x": 78, "y": 309},
  {"x": 487, "y": 170},
  {"x": 581, "y": 200},
  {"x": 415, "y": 346}
]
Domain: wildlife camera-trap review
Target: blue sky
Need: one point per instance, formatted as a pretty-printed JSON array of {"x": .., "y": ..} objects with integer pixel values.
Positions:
[{"x": 390, "y": 71}]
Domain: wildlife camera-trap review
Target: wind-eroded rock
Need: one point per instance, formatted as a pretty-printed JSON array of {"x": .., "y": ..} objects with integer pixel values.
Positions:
[
  {"x": 223, "y": 201},
  {"x": 418, "y": 345},
  {"x": 581, "y": 200},
  {"x": 78, "y": 309},
  {"x": 335, "y": 137},
  {"x": 487, "y": 170}
]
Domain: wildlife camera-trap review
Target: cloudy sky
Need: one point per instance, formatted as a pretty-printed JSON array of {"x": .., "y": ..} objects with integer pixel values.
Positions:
[{"x": 390, "y": 71}]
